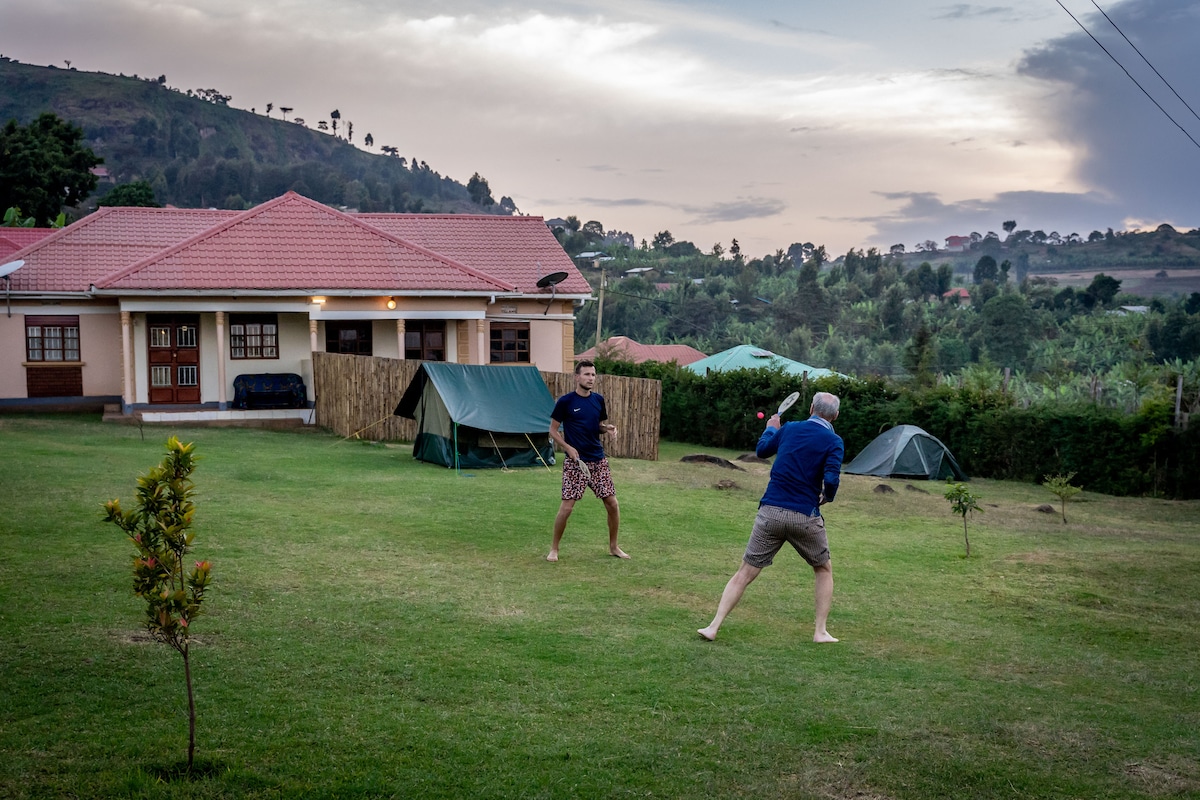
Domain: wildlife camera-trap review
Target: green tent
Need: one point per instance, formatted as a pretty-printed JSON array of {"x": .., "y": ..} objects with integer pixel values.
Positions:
[
  {"x": 476, "y": 416},
  {"x": 906, "y": 451}
]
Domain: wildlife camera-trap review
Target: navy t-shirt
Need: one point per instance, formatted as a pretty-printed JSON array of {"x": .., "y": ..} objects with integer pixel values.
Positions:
[{"x": 580, "y": 418}]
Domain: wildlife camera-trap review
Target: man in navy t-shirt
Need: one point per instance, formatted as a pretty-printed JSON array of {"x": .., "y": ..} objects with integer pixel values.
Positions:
[
  {"x": 576, "y": 424},
  {"x": 805, "y": 476}
]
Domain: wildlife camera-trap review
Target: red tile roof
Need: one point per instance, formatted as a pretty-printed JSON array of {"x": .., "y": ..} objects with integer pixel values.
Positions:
[
  {"x": 519, "y": 250},
  {"x": 622, "y": 348},
  {"x": 293, "y": 243},
  {"x": 14, "y": 239},
  {"x": 74, "y": 257}
]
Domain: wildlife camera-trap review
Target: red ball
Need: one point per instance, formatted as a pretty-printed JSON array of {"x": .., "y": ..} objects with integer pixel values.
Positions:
[{"x": 761, "y": 415}]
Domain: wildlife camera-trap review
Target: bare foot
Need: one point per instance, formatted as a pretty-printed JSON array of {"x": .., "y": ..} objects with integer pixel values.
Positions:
[
  {"x": 823, "y": 638},
  {"x": 553, "y": 556},
  {"x": 708, "y": 634},
  {"x": 618, "y": 553}
]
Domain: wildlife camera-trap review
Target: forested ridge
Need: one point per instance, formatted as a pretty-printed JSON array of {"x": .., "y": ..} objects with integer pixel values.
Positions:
[
  {"x": 869, "y": 314},
  {"x": 195, "y": 150}
]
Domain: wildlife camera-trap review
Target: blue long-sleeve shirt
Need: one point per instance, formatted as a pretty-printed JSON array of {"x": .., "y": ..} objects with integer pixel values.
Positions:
[{"x": 808, "y": 464}]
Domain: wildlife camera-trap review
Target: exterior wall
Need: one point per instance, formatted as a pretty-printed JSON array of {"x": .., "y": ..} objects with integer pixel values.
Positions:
[
  {"x": 99, "y": 347},
  {"x": 295, "y": 355},
  {"x": 467, "y": 339},
  {"x": 12, "y": 355},
  {"x": 551, "y": 335},
  {"x": 545, "y": 344},
  {"x": 100, "y": 350}
]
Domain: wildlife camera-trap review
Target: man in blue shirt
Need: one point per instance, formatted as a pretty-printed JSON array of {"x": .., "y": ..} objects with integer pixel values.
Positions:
[
  {"x": 805, "y": 476},
  {"x": 576, "y": 424}
]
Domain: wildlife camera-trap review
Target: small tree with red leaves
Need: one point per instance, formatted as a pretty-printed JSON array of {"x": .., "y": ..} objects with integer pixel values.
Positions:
[{"x": 160, "y": 530}]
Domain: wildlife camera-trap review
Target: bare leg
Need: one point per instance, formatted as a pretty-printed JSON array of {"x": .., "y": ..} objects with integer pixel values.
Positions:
[
  {"x": 614, "y": 523},
  {"x": 823, "y": 590},
  {"x": 560, "y": 525},
  {"x": 730, "y": 597}
]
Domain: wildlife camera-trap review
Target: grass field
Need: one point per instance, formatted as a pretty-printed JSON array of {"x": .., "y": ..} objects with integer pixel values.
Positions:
[{"x": 383, "y": 628}]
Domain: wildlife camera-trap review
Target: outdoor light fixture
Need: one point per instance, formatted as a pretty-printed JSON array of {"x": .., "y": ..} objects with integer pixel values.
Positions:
[
  {"x": 318, "y": 301},
  {"x": 391, "y": 303}
]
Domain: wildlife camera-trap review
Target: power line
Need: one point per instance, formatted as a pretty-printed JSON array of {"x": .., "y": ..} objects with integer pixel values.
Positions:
[
  {"x": 1127, "y": 73},
  {"x": 1148, "y": 64}
]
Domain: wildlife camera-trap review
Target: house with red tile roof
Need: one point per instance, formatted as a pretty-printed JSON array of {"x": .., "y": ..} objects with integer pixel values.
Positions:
[
  {"x": 163, "y": 308},
  {"x": 622, "y": 348},
  {"x": 958, "y": 295}
]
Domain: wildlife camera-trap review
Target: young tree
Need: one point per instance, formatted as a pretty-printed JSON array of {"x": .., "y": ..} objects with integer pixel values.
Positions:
[
  {"x": 1060, "y": 486},
  {"x": 369, "y": 140},
  {"x": 44, "y": 166},
  {"x": 335, "y": 115},
  {"x": 962, "y": 502},
  {"x": 160, "y": 530},
  {"x": 137, "y": 194},
  {"x": 986, "y": 269}
]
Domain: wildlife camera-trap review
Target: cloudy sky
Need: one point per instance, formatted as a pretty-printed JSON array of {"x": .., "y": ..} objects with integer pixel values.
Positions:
[{"x": 849, "y": 123}]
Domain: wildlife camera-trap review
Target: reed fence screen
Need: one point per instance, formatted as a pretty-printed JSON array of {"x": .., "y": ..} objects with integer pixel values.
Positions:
[{"x": 356, "y": 395}]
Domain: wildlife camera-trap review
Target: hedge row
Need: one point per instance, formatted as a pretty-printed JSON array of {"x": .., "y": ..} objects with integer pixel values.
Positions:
[{"x": 1110, "y": 452}]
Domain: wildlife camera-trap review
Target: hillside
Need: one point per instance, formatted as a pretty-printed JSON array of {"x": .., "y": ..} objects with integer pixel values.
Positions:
[{"x": 199, "y": 153}]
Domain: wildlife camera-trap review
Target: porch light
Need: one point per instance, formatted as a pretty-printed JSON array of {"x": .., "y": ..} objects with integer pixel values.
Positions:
[
  {"x": 318, "y": 301},
  {"x": 391, "y": 303}
]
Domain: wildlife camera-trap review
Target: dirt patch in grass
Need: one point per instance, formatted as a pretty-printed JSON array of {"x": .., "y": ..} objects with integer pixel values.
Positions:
[{"x": 1160, "y": 779}]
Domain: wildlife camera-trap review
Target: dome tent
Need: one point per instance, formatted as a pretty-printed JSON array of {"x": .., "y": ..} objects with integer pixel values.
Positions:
[{"x": 906, "y": 451}]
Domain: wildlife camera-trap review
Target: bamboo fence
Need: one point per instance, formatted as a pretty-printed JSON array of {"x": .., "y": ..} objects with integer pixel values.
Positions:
[{"x": 356, "y": 395}]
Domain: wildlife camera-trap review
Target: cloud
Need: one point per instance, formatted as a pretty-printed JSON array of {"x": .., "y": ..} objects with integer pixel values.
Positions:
[
  {"x": 1125, "y": 147},
  {"x": 742, "y": 208},
  {"x": 967, "y": 11},
  {"x": 736, "y": 210},
  {"x": 926, "y": 212}
]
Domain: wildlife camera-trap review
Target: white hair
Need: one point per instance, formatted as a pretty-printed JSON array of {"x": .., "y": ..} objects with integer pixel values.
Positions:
[{"x": 825, "y": 405}]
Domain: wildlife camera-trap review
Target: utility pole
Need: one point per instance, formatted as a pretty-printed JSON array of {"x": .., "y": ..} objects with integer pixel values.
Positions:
[{"x": 600, "y": 309}]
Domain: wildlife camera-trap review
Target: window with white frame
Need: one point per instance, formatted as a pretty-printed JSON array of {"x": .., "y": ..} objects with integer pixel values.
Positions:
[
  {"x": 253, "y": 336},
  {"x": 51, "y": 338}
]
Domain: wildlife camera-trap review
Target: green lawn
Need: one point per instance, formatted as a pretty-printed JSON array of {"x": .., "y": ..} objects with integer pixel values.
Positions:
[{"x": 380, "y": 627}]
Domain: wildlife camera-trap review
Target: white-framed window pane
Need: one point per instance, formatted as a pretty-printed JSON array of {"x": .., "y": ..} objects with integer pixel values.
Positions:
[
  {"x": 160, "y": 336},
  {"x": 52, "y": 342},
  {"x": 70, "y": 344},
  {"x": 186, "y": 336},
  {"x": 33, "y": 339},
  {"x": 187, "y": 376},
  {"x": 160, "y": 376},
  {"x": 270, "y": 341}
]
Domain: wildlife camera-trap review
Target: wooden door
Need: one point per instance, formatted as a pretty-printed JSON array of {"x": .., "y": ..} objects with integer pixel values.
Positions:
[{"x": 174, "y": 357}]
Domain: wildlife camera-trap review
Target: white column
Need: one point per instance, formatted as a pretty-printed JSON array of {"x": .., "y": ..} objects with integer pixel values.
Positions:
[
  {"x": 127, "y": 357},
  {"x": 312, "y": 336},
  {"x": 400, "y": 336},
  {"x": 221, "y": 392},
  {"x": 482, "y": 347}
]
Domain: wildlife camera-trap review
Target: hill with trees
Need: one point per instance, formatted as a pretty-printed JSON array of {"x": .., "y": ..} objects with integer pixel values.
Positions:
[{"x": 194, "y": 149}]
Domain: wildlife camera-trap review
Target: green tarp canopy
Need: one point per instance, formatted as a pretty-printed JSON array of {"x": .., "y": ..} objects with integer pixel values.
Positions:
[
  {"x": 476, "y": 416},
  {"x": 906, "y": 451}
]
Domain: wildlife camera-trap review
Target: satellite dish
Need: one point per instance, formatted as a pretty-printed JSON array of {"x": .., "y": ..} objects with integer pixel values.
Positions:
[
  {"x": 5, "y": 271},
  {"x": 552, "y": 280}
]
